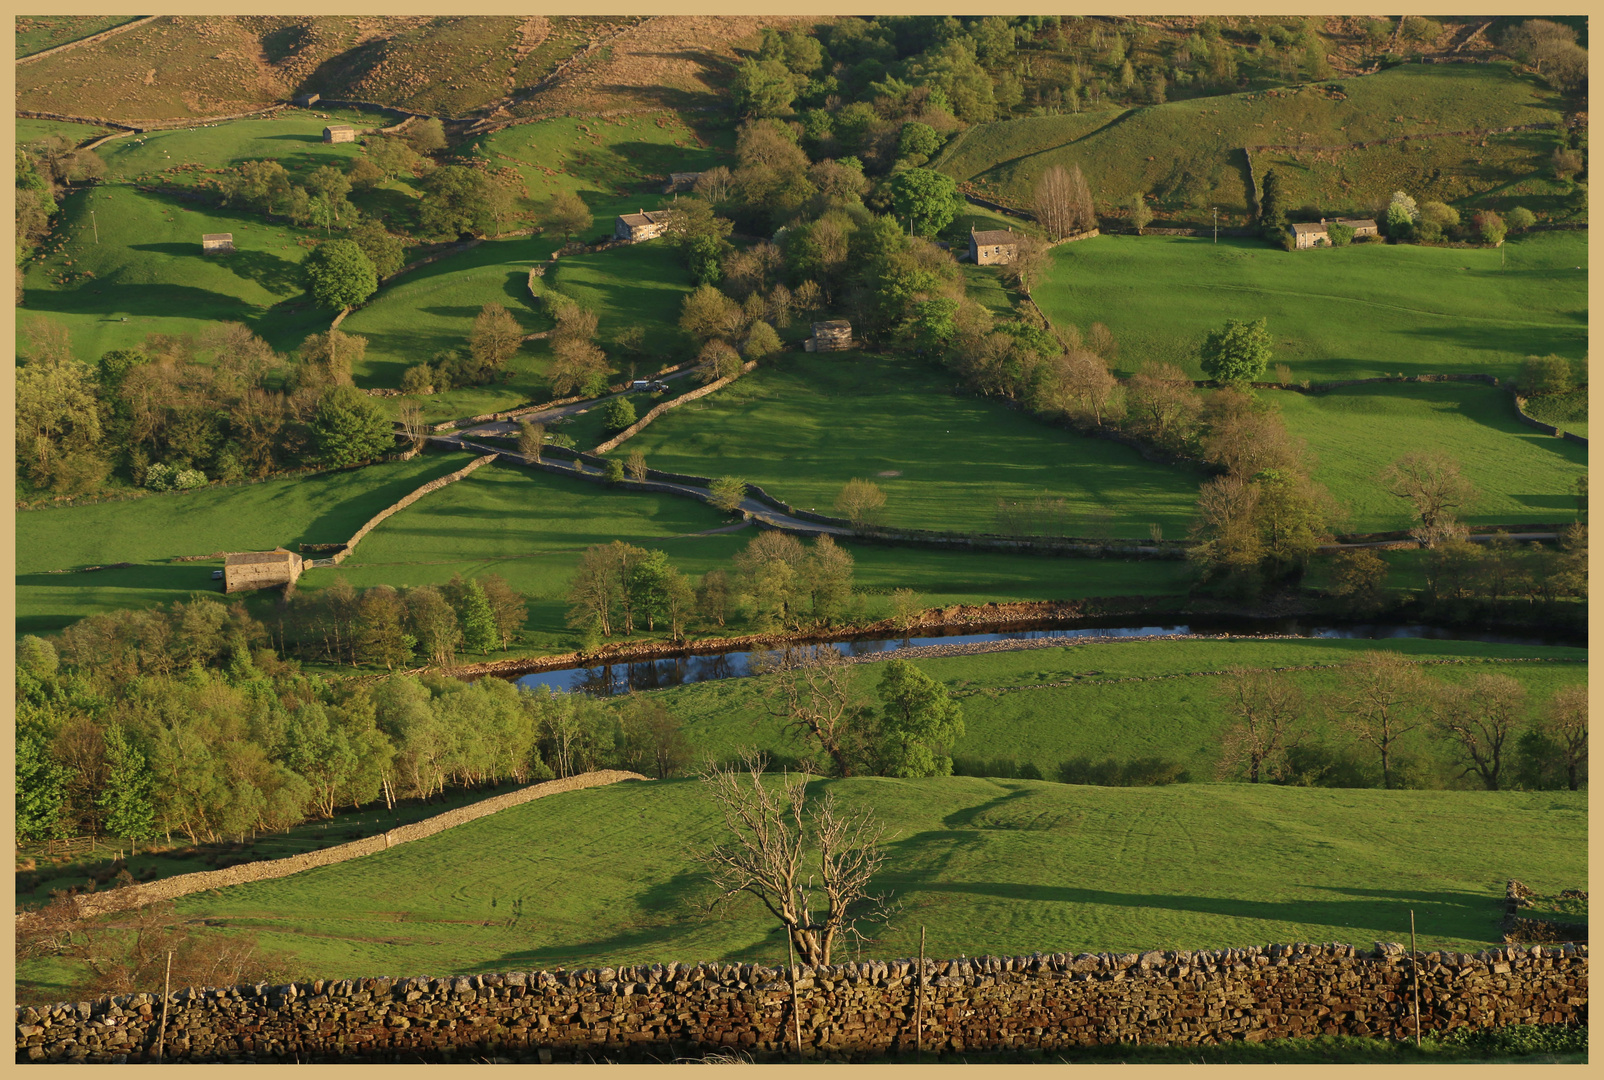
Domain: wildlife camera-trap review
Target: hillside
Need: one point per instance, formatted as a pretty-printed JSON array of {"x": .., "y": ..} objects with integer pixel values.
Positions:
[
  {"x": 987, "y": 866},
  {"x": 1188, "y": 154}
]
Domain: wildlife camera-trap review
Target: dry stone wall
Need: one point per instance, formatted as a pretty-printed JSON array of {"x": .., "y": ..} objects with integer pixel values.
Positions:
[
  {"x": 854, "y": 1010},
  {"x": 394, "y": 508},
  {"x": 673, "y": 403},
  {"x": 130, "y": 897}
]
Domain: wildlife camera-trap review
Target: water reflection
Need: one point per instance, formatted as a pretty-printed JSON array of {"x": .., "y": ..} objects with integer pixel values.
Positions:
[{"x": 609, "y": 679}]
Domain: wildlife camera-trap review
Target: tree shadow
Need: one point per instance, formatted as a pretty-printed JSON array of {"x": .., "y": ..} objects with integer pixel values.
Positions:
[{"x": 293, "y": 138}]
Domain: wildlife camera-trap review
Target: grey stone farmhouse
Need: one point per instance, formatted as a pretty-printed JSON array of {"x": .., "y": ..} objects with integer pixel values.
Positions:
[
  {"x": 641, "y": 225},
  {"x": 994, "y": 247},
  {"x": 1312, "y": 234}
]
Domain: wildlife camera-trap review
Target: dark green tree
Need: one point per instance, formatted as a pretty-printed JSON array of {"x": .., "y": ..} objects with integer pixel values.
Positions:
[
  {"x": 762, "y": 88},
  {"x": 919, "y": 723},
  {"x": 479, "y": 631},
  {"x": 1238, "y": 352},
  {"x": 928, "y": 199},
  {"x": 41, "y": 788},
  {"x": 618, "y": 414},
  {"x": 348, "y": 427},
  {"x": 339, "y": 275},
  {"x": 384, "y": 251},
  {"x": 128, "y": 799}
]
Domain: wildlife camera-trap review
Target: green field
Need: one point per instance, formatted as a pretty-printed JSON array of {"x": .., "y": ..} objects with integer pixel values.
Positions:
[
  {"x": 995, "y": 867},
  {"x": 641, "y": 285},
  {"x": 617, "y": 165},
  {"x": 29, "y": 130},
  {"x": 1188, "y": 153},
  {"x": 293, "y": 138},
  {"x": 1355, "y": 312},
  {"x": 36, "y": 33},
  {"x": 432, "y": 309},
  {"x": 531, "y": 527},
  {"x": 147, "y": 274},
  {"x": 1011, "y": 713},
  {"x": 1522, "y": 475},
  {"x": 802, "y": 426},
  {"x": 325, "y": 508}
]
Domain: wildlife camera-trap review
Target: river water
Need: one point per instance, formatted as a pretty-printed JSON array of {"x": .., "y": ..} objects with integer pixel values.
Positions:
[{"x": 609, "y": 679}]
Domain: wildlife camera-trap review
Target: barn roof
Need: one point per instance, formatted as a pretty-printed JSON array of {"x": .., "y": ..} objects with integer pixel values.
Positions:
[
  {"x": 832, "y": 326},
  {"x": 249, "y": 558},
  {"x": 218, "y": 236},
  {"x": 339, "y": 127},
  {"x": 645, "y": 217},
  {"x": 994, "y": 236},
  {"x": 1310, "y": 228}
]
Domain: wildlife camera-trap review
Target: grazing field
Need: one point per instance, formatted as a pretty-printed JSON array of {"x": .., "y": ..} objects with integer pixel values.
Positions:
[
  {"x": 1188, "y": 153},
  {"x": 1014, "y": 712},
  {"x": 1522, "y": 475},
  {"x": 531, "y": 528},
  {"x": 802, "y": 426},
  {"x": 641, "y": 285},
  {"x": 432, "y": 309},
  {"x": 1567, "y": 411},
  {"x": 147, "y": 274},
  {"x": 36, "y": 33},
  {"x": 617, "y": 165},
  {"x": 324, "y": 508},
  {"x": 1355, "y": 312},
  {"x": 29, "y": 130},
  {"x": 988, "y": 866},
  {"x": 176, "y": 157}
]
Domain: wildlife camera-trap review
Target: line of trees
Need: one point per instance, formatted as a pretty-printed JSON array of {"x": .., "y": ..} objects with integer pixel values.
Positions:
[
  {"x": 1382, "y": 708},
  {"x": 148, "y": 723},
  {"x": 218, "y": 405},
  {"x": 394, "y": 628}
]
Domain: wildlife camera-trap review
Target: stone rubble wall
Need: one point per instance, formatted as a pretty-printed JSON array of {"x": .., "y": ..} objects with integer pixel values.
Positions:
[
  {"x": 433, "y": 485},
  {"x": 673, "y": 403},
  {"x": 130, "y": 897},
  {"x": 853, "y": 1010}
]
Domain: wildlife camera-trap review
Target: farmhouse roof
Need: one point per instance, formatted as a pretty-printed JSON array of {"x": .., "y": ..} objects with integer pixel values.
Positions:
[
  {"x": 1307, "y": 228},
  {"x": 1357, "y": 222},
  {"x": 993, "y": 236},
  {"x": 339, "y": 127},
  {"x": 832, "y": 324},
  {"x": 217, "y": 236},
  {"x": 644, "y": 217},
  {"x": 249, "y": 558}
]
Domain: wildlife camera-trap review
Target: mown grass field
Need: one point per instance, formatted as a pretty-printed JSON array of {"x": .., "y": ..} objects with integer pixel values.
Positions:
[
  {"x": 1356, "y": 312},
  {"x": 1174, "y": 713},
  {"x": 147, "y": 274},
  {"x": 802, "y": 426},
  {"x": 1521, "y": 474},
  {"x": 531, "y": 527},
  {"x": 993, "y": 867},
  {"x": 617, "y": 165},
  {"x": 324, "y": 508},
  {"x": 1188, "y": 153}
]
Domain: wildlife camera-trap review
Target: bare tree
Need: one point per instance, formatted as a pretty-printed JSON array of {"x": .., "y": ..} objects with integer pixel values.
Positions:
[
  {"x": 531, "y": 440},
  {"x": 812, "y": 697},
  {"x": 1434, "y": 486},
  {"x": 1379, "y": 703},
  {"x": 1481, "y": 716},
  {"x": 410, "y": 417},
  {"x": 1033, "y": 257},
  {"x": 860, "y": 500},
  {"x": 1062, "y": 201},
  {"x": 809, "y": 862},
  {"x": 1565, "y": 721},
  {"x": 1266, "y": 708}
]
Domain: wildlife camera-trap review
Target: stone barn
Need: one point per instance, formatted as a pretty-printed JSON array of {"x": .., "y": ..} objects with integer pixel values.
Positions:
[
  {"x": 245, "y": 570},
  {"x": 1310, "y": 234},
  {"x": 306, "y": 101},
  {"x": 834, "y": 335},
  {"x": 214, "y": 242},
  {"x": 680, "y": 181},
  {"x": 641, "y": 225},
  {"x": 994, "y": 247},
  {"x": 338, "y": 133}
]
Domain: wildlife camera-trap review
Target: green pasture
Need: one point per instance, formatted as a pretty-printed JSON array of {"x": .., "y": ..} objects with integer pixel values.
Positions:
[
  {"x": 36, "y": 33},
  {"x": 1523, "y": 476},
  {"x": 1337, "y": 313},
  {"x": 1567, "y": 411},
  {"x": 323, "y": 508},
  {"x": 147, "y": 274},
  {"x": 801, "y": 426},
  {"x": 29, "y": 130},
  {"x": 532, "y": 526},
  {"x": 1188, "y": 154},
  {"x": 617, "y": 165},
  {"x": 641, "y": 285},
  {"x": 1047, "y": 706},
  {"x": 987, "y": 866},
  {"x": 293, "y": 138}
]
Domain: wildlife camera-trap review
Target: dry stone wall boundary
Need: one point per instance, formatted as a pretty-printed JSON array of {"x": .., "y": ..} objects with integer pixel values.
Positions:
[
  {"x": 844, "y": 1011},
  {"x": 136, "y": 896},
  {"x": 394, "y": 508},
  {"x": 673, "y": 403}
]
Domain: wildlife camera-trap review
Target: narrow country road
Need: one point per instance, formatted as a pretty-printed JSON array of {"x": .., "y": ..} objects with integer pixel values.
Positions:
[{"x": 562, "y": 412}]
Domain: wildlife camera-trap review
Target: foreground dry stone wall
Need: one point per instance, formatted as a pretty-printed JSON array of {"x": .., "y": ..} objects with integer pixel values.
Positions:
[{"x": 846, "y": 1011}]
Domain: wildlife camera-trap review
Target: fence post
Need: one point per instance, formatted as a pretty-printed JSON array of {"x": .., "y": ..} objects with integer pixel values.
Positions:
[
  {"x": 167, "y": 991},
  {"x": 919, "y": 1010},
  {"x": 1415, "y": 957}
]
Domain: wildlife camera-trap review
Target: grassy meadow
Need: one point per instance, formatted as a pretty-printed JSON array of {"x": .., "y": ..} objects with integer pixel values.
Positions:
[
  {"x": 1188, "y": 154},
  {"x": 1047, "y": 706},
  {"x": 1522, "y": 475},
  {"x": 147, "y": 274},
  {"x": 988, "y": 866},
  {"x": 324, "y": 508},
  {"x": 179, "y": 156},
  {"x": 1342, "y": 313},
  {"x": 28, "y": 130},
  {"x": 36, "y": 33},
  {"x": 803, "y": 425}
]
